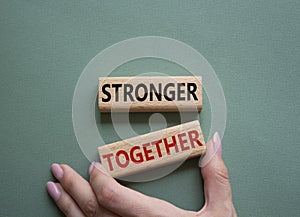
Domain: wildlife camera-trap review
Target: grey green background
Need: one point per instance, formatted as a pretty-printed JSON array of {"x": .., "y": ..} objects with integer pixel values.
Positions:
[{"x": 252, "y": 45}]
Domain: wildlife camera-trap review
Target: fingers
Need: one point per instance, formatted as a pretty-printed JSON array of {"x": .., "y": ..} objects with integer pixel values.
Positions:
[
  {"x": 63, "y": 200},
  {"x": 103, "y": 196},
  {"x": 127, "y": 202},
  {"x": 80, "y": 190},
  {"x": 215, "y": 175}
]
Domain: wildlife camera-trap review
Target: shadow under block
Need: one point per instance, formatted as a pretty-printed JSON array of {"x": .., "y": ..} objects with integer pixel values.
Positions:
[
  {"x": 153, "y": 150},
  {"x": 150, "y": 94}
]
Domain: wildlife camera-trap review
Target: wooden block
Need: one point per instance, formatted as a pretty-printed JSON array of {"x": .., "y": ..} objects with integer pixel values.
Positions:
[
  {"x": 150, "y": 94},
  {"x": 153, "y": 150}
]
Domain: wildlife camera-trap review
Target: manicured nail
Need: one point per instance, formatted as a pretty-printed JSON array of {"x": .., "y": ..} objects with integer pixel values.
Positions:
[
  {"x": 57, "y": 171},
  {"x": 101, "y": 168},
  {"x": 217, "y": 144},
  {"x": 205, "y": 159},
  {"x": 91, "y": 167},
  {"x": 53, "y": 190}
]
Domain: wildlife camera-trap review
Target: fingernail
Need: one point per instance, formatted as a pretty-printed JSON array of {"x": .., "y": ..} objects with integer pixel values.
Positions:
[
  {"x": 53, "y": 190},
  {"x": 57, "y": 171},
  {"x": 217, "y": 144},
  {"x": 100, "y": 168},
  {"x": 91, "y": 167},
  {"x": 204, "y": 159}
]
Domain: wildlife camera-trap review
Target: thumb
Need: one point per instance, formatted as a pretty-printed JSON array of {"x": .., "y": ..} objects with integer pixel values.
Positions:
[{"x": 217, "y": 188}]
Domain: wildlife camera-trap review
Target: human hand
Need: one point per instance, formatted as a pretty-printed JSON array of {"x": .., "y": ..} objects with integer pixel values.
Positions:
[{"x": 103, "y": 196}]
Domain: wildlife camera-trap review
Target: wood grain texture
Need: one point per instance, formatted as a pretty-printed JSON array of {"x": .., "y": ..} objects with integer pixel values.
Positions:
[
  {"x": 157, "y": 93},
  {"x": 153, "y": 150}
]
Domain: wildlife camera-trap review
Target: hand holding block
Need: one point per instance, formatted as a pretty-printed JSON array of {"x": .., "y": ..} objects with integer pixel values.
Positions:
[
  {"x": 147, "y": 94},
  {"x": 153, "y": 150}
]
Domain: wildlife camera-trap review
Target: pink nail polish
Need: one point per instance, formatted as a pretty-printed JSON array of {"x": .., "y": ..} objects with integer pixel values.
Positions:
[
  {"x": 217, "y": 144},
  {"x": 101, "y": 168},
  {"x": 57, "y": 171},
  {"x": 209, "y": 154},
  {"x": 53, "y": 190},
  {"x": 91, "y": 167}
]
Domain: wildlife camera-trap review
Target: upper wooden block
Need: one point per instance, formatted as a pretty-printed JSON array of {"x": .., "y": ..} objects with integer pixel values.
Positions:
[
  {"x": 153, "y": 150},
  {"x": 150, "y": 94}
]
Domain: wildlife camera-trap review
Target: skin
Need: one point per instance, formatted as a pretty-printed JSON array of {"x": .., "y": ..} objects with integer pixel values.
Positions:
[{"x": 103, "y": 196}]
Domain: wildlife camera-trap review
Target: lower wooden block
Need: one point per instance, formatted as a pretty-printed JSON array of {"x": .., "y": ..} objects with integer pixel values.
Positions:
[{"x": 153, "y": 150}]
